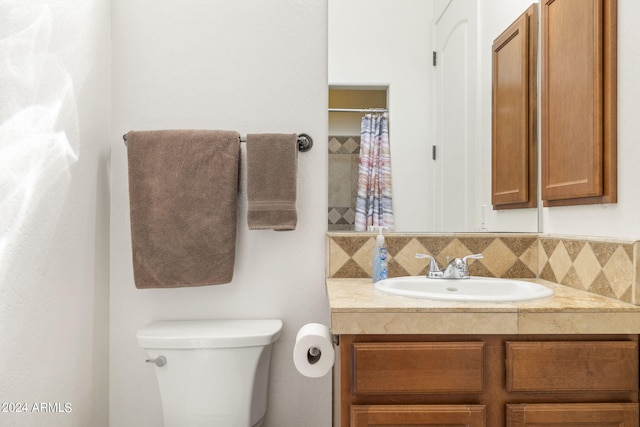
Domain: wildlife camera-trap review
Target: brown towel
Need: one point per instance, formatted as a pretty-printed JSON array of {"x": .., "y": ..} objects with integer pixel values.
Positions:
[
  {"x": 271, "y": 181},
  {"x": 183, "y": 196}
]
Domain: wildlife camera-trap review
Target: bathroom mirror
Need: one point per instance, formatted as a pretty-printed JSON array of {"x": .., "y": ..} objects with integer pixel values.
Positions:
[{"x": 381, "y": 56}]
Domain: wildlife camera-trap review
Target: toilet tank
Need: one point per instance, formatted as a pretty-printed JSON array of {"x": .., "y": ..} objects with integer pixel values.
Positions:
[{"x": 216, "y": 371}]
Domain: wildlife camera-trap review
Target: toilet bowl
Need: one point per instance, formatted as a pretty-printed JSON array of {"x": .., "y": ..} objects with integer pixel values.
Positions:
[{"x": 211, "y": 372}]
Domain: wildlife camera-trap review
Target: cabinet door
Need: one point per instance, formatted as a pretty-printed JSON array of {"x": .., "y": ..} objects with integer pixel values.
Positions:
[
  {"x": 579, "y": 101},
  {"x": 572, "y": 366},
  {"x": 514, "y": 99},
  {"x": 417, "y": 368},
  {"x": 572, "y": 414},
  {"x": 418, "y": 415}
]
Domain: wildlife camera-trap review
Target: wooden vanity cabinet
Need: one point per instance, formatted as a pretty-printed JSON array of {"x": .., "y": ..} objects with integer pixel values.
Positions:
[
  {"x": 578, "y": 114},
  {"x": 417, "y": 415},
  {"x": 488, "y": 380},
  {"x": 584, "y": 414}
]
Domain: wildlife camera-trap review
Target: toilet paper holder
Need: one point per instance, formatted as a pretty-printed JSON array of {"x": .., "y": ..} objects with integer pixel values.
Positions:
[{"x": 313, "y": 355}]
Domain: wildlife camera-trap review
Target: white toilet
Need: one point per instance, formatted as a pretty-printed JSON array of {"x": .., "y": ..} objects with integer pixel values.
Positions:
[{"x": 211, "y": 372}]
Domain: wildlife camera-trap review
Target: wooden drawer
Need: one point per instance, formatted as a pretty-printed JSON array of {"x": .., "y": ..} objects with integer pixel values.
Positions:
[
  {"x": 417, "y": 415},
  {"x": 571, "y": 414},
  {"x": 572, "y": 366},
  {"x": 410, "y": 367}
]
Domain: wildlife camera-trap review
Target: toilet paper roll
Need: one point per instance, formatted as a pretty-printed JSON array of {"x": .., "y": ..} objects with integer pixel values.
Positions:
[{"x": 313, "y": 352}]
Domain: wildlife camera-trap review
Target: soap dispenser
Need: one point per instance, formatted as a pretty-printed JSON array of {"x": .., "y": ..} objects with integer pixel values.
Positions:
[{"x": 379, "y": 259}]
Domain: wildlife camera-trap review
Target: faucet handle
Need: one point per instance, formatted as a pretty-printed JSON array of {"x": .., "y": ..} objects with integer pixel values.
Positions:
[
  {"x": 433, "y": 264},
  {"x": 465, "y": 268},
  {"x": 474, "y": 256}
]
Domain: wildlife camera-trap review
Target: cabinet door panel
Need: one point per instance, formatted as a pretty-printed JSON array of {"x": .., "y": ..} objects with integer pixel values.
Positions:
[
  {"x": 578, "y": 101},
  {"x": 417, "y": 415},
  {"x": 514, "y": 98},
  {"x": 572, "y": 366},
  {"x": 573, "y": 414},
  {"x": 409, "y": 368}
]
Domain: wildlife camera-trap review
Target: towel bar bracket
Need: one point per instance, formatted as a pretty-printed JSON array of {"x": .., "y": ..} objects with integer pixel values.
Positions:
[{"x": 304, "y": 142}]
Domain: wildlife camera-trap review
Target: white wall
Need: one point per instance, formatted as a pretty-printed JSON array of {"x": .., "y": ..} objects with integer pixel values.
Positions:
[
  {"x": 54, "y": 231},
  {"x": 620, "y": 219},
  {"x": 388, "y": 43},
  {"x": 250, "y": 66}
]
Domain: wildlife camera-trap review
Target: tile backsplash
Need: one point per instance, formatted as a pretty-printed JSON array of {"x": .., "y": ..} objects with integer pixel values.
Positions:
[{"x": 601, "y": 266}]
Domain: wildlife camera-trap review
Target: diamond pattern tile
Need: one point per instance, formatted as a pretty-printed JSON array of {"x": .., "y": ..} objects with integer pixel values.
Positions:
[
  {"x": 572, "y": 280},
  {"x": 560, "y": 261},
  {"x": 334, "y": 216},
  {"x": 543, "y": 259},
  {"x": 601, "y": 286},
  {"x": 454, "y": 249},
  {"x": 586, "y": 266},
  {"x": 351, "y": 244},
  {"x": 435, "y": 244},
  {"x": 549, "y": 245},
  {"x": 477, "y": 245},
  {"x": 501, "y": 258},
  {"x": 520, "y": 246},
  {"x": 604, "y": 250},
  {"x": 334, "y": 145},
  {"x": 547, "y": 274},
  {"x": 341, "y": 215},
  {"x": 349, "y": 216},
  {"x": 573, "y": 247},
  {"x": 351, "y": 269},
  {"x": 397, "y": 244},
  {"x": 530, "y": 258},
  {"x": 338, "y": 257},
  {"x": 396, "y": 270},
  {"x": 636, "y": 264},
  {"x": 598, "y": 266},
  {"x": 352, "y": 145},
  {"x": 406, "y": 258},
  {"x": 363, "y": 256},
  {"x": 519, "y": 270},
  {"x": 619, "y": 271}
]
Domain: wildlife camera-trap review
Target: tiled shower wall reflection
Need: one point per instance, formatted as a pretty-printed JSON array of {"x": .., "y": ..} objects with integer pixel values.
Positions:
[
  {"x": 605, "y": 267},
  {"x": 343, "y": 181}
]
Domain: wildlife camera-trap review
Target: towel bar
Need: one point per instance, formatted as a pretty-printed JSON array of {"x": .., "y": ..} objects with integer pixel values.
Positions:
[{"x": 304, "y": 141}]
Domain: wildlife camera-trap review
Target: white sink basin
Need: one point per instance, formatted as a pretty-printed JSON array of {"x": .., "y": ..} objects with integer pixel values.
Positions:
[{"x": 487, "y": 289}]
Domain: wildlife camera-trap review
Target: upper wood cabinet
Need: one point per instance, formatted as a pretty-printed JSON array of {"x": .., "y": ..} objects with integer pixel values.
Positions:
[
  {"x": 514, "y": 128},
  {"x": 578, "y": 113}
]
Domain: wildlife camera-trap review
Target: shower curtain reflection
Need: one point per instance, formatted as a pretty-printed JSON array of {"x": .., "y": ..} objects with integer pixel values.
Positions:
[{"x": 374, "y": 202}]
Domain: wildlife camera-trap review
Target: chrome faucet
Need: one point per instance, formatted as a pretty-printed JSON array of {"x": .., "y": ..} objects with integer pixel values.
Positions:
[{"x": 456, "y": 269}]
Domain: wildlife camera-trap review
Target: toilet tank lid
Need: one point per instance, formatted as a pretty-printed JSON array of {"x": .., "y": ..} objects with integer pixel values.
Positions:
[{"x": 209, "y": 333}]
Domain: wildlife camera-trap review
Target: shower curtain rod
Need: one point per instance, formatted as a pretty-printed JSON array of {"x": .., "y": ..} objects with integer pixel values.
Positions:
[{"x": 358, "y": 110}]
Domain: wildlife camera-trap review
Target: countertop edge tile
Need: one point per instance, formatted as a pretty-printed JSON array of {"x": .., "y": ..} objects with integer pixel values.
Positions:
[
  {"x": 356, "y": 308},
  {"x": 424, "y": 323},
  {"x": 579, "y": 323}
]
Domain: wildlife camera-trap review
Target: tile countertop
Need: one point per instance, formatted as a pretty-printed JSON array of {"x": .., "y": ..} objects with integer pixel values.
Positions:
[{"x": 357, "y": 308}]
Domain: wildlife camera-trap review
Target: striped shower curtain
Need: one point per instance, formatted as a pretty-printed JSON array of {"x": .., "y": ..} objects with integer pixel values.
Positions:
[{"x": 373, "y": 204}]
